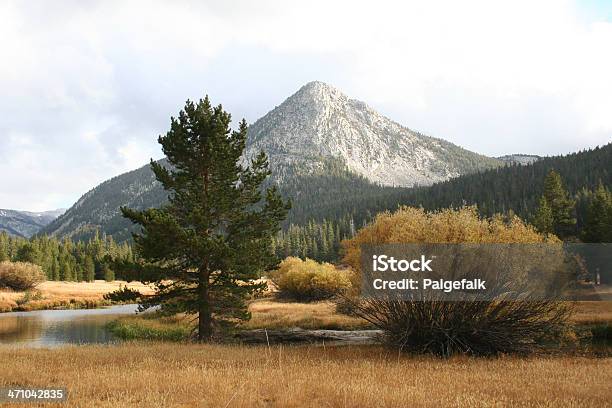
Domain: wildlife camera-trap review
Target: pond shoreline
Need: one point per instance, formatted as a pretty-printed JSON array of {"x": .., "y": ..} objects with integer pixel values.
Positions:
[
  {"x": 72, "y": 304},
  {"x": 93, "y": 310},
  {"x": 52, "y": 328},
  {"x": 60, "y": 295}
]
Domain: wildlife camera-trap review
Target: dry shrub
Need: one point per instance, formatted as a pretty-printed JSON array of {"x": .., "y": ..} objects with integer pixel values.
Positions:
[
  {"x": 478, "y": 328},
  {"x": 123, "y": 294},
  {"x": 410, "y": 225},
  {"x": 433, "y": 325},
  {"x": 20, "y": 275},
  {"x": 309, "y": 280}
]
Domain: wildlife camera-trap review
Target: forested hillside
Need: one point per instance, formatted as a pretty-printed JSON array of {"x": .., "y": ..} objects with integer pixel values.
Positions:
[
  {"x": 331, "y": 202},
  {"x": 98, "y": 210},
  {"x": 518, "y": 188},
  {"x": 328, "y": 206},
  {"x": 333, "y": 193}
]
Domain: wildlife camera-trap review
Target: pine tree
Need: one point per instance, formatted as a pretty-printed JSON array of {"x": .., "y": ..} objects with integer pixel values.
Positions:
[
  {"x": 28, "y": 253},
  {"x": 598, "y": 225},
  {"x": 562, "y": 207},
  {"x": 325, "y": 250},
  {"x": 108, "y": 273},
  {"x": 331, "y": 240},
  {"x": 213, "y": 237},
  {"x": 66, "y": 270},
  {"x": 543, "y": 219},
  {"x": 3, "y": 253},
  {"x": 89, "y": 269},
  {"x": 55, "y": 270}
]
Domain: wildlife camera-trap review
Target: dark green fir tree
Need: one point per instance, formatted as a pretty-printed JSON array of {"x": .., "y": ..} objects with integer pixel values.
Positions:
[
  {"x": 561, "y": 205},
  {"x": 3, "y": 253},
  {"x": 108, "y": 273},
  {"x": 598, "y": 226},
  {"x": 89, "y": 269},
  {"x": 543, "y": 219},
  {"x": 28, "y": 253},
  {"x": 206, "y": 247}
]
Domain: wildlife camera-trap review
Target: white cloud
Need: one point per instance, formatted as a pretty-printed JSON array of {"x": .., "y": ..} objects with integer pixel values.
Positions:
[{"x": 91, "y": 84}]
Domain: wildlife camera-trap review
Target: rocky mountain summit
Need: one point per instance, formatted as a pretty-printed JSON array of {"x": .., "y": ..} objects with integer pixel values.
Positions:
[{"x": 319, "y": 122}]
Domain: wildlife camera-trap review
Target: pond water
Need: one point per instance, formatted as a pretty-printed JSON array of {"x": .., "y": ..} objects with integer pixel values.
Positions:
[{"x": 49, "y": 328}]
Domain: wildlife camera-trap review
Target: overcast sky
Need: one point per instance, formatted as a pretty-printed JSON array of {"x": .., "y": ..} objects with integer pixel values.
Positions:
[{"x": 87, "y": 86}]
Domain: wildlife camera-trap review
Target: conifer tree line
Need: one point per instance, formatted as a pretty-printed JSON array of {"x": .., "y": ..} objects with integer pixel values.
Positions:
[
  {"x": 586, "y": 216},
  {"x": 316, "y": 240},
  {"x": 330, "y": 205},
  {"x": 65, "y": 260},
  {"x": 517, "y": 189},
  {"x": 594, "y": 214}
]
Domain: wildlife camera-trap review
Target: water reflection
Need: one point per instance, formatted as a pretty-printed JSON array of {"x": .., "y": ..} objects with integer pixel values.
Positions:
[{"x": 46, "y": 328}]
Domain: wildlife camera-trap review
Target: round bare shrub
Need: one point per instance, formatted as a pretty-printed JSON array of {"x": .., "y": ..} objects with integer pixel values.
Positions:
[
  {"x": 442, "y": 327},
  {"x": 20, "y": 275},
  {"x": 309, "y": 280}
]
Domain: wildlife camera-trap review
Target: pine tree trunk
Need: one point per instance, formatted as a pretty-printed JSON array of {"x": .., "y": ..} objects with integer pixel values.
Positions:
[{"x": 204, "y": 314}]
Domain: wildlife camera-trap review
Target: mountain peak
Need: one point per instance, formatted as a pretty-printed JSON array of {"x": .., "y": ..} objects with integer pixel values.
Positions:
[
  {"x": 318, "y": 85},
  {"x": 316, "y": 92},
  {"x": 319, "y": 123}
]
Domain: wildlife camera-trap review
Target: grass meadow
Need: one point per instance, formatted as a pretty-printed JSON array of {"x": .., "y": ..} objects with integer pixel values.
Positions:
[
  {"x": 63, "y": 295},
  {"x": 191, "y": 375},
  {"x": 182, "y": 374}
]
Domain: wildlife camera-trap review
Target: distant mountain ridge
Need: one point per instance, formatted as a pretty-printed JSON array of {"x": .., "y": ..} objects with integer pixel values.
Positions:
[
  {"x": 98, "y": 209},
  {"x": 316, "y": 130},
  {"x": 25, "y": 223}
]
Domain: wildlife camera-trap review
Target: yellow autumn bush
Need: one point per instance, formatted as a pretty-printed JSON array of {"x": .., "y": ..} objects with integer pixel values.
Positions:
[
  {"x": 410, "y": 225},
  {"x": 309, "y": 280}
]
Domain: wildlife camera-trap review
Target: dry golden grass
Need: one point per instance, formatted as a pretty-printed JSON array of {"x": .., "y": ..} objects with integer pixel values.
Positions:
[
  {"x": 266, "y": 313},
  {"x": 58, "y": 294},
  {"x": 272, "y": 314},
  {"x": 593, "y": 312},
  {"x": 190, "y": 375}
]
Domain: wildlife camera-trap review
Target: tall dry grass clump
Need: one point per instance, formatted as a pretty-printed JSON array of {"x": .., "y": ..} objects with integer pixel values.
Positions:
[
  {"x": 438, "y": 326},
  {"x": 20, "y": 275},
  {"x": 309, "y": 280}
]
